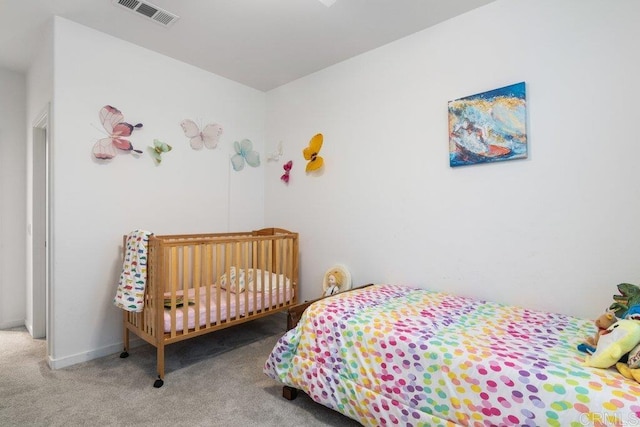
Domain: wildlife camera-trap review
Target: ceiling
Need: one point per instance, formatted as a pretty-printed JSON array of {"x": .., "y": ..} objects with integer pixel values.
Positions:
[{"x": 259, "y": 43}]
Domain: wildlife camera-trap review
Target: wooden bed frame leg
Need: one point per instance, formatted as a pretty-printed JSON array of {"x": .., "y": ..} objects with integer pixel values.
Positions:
[
  {"x": 289, "y": 393},
  {"x": 160, "y": 368}
]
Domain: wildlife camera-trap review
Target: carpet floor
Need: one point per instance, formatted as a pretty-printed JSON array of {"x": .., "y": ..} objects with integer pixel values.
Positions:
[{"x": 211, "y": 380}]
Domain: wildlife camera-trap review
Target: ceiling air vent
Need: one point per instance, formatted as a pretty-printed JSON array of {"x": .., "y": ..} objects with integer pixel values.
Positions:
[{"x": 149, "y": 10}]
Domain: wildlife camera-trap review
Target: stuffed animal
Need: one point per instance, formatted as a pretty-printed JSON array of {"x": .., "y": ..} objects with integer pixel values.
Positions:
[
  {"x": 618, "y": 340},
  {"x": 602, "y": 323},
  {"x": 631, "y": 369},
  {"x": 334, "y": 279},
  {"x": 629, "y": 297},
  {"x": 633, "y": 313},
  {"x": 627, "y": 372}
]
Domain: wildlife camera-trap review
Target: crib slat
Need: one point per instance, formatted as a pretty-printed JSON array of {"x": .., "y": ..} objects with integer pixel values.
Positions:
[
  {"x": 219, "y": 269},
  {"x": 175, "y": 270},
  {"x": 264, "y": 265},
  {"x": 277, "y": 268},
  {"x": 184, "y": 269},
  {"x": 197, "y": 283},
  {"x": 228, "y": 260},
  {"x": 255, "y": 265},
  {"x": 208, "y": 271},
  {"x": 247, "y": 267},
  {"x": 239, "y": 265}
]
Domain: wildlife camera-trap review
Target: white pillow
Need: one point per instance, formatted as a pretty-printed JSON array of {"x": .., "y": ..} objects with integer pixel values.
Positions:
[
  {"x": 246, "y": 280},
  {"x": 276, "y": 280},
  {"x": 232, "y": 287}
]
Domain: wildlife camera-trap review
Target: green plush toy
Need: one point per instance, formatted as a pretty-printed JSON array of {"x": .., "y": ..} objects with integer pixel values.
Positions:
[
  {"x": 629, "y": 297},
  {"x": 618, "y": 340}
]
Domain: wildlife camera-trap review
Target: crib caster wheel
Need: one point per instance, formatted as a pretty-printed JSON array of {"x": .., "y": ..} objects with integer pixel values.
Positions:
[
  {"x": 124, "y": 354},
  {"x": 159, "y": 383}
]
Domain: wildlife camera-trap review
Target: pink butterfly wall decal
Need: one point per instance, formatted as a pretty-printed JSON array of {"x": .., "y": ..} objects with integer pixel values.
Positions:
[
  {"x": 117, "y": 130},
  {"x": 287, "y": 168}
]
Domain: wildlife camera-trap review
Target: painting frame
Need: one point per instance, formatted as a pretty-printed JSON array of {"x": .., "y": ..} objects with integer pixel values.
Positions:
[{"x": 488, "y": 126}]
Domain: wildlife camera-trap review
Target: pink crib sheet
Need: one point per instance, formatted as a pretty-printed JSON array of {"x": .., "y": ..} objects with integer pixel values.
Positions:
[{"x": 284, "y": 295}]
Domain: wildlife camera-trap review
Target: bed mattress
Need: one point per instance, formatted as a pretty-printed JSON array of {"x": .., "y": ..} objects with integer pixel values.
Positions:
[{"x": 396, "y": 355}]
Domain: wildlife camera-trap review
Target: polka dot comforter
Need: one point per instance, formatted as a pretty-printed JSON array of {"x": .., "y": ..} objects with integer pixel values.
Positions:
[{"x": 395, "y": 355}]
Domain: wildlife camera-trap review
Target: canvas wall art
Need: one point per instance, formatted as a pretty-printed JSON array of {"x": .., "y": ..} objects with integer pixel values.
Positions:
[{"x": 488, "y": 127}]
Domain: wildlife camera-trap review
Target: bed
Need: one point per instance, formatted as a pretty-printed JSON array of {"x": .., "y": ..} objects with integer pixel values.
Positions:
[
  {"x": 397, "y": 355},
  {"x": 200, "y": 283}
]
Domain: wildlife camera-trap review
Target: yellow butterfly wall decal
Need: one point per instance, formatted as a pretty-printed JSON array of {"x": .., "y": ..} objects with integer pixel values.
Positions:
[{"x": 312, "y": 153}]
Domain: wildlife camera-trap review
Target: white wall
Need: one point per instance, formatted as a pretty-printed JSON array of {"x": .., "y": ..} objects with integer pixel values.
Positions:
[
  {"x": 12, "y": 198},
  {"x": 555, "y": 231},
  {"x": 96, "y": 202},
  {"x": 39, "y": 97}
]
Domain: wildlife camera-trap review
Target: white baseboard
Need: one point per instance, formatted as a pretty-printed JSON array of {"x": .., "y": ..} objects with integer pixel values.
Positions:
[
  {"x": 12, "y": 324},
  {"x": 66, "y": 361}
]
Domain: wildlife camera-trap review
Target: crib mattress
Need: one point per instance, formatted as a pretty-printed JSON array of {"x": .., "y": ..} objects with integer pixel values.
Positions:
[{"x": 271, "y": 298}]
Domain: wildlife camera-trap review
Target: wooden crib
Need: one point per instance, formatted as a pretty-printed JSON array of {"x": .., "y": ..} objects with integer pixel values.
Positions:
[{"x": 201, "y": 283}]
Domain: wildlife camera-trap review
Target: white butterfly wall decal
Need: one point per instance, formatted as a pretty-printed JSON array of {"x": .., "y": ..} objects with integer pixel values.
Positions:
[
  {"x": 275, "y": 156},
  {"x": 208, "y": 137}
]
